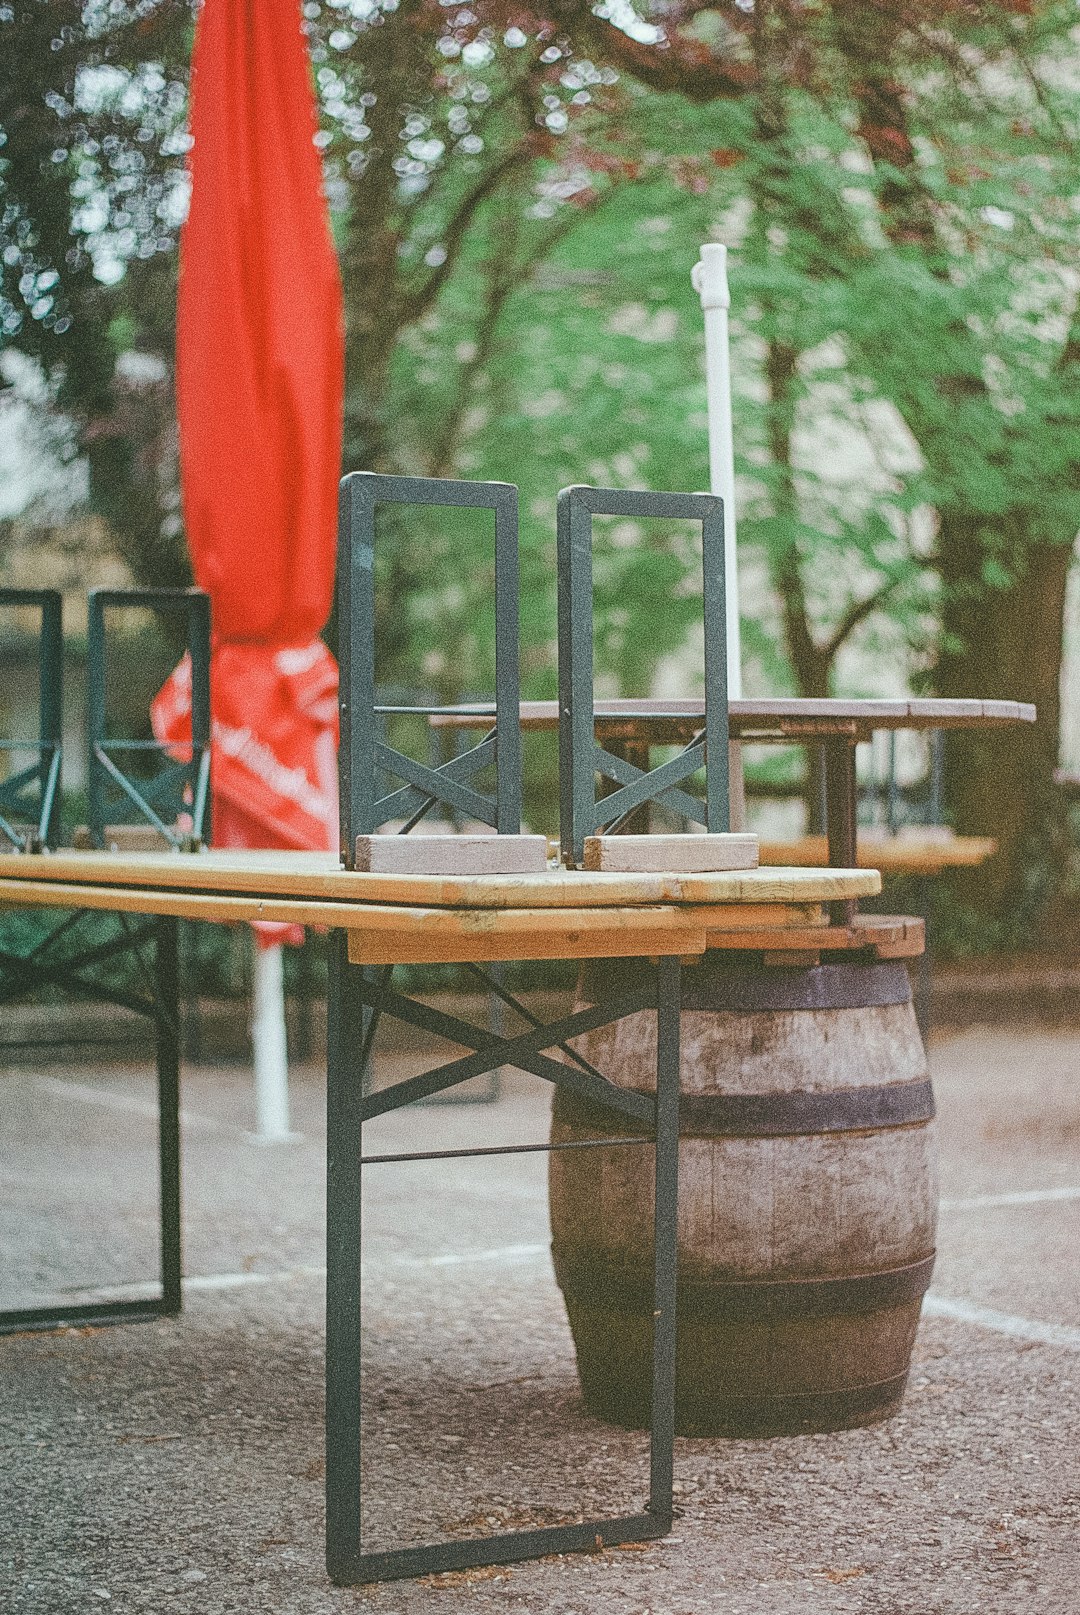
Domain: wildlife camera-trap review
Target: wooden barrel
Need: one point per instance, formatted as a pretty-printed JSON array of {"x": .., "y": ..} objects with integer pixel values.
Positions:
[{"x": 807, "y": 1201}]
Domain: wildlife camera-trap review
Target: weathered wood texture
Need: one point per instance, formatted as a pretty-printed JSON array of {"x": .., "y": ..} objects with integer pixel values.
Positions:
[
  {"x": 661, "y": 854},
  {"x": 455, "y": 936},
  {"x": 885, "y": 936},
  {"x": 385, "y": 933},
  {"x": 764, "y": 1346},
  {"x": 452, "y": 855},
  {"x": 303, "y": 875}
]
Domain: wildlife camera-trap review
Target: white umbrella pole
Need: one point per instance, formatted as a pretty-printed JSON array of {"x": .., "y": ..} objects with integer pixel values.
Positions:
[
  {"x": 269, "y": 1046},
  {"x": 710, "y": 282},
  {"x": 709, "y": 279}
]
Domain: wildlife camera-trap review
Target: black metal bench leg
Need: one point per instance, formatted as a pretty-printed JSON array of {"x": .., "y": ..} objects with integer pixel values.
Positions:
[
  {"x": 666, "y": 1228},
  {"x": 168, "y": 1081},
  {"x": 344, "y": 1101}
]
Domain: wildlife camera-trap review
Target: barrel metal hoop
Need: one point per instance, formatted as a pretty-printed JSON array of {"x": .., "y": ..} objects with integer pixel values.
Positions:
[
  {"x": 786, "y": 1413},
  {"x": 745, "y": 989},
  {"x": 779, "y": 1115},
  {"x": 776, "y": 1115},
  {"x": 598, "y": 1286}
]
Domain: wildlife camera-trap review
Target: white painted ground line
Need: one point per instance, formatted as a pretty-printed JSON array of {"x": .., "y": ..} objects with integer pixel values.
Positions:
[
  {"x": 502, "y": 1256},
  {"x": 65, "y": 1089},
  {"x": 934, "y": 1305},
  {"x": 195, "y": 1283},
  {"x": 127, "y": 1103},
  {"x": 1002, "y": 1323},
  {"x": 1014, "y": 1197}
]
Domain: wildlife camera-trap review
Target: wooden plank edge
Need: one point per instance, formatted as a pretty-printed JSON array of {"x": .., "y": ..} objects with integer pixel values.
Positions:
[
  {"x": 385, "y": 948},
  {"x": 463, "y": 922},
  {"x": 888, "y": 936},
  {"x": 672, "y": 854},
  {"x": 559, "y": 890},
  {"x": 452, "y": 855},
  {"x": 901, "y": 856}
]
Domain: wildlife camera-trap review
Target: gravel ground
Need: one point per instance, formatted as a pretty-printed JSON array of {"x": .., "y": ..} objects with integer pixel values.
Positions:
[{"x": 177, "y": 1465}]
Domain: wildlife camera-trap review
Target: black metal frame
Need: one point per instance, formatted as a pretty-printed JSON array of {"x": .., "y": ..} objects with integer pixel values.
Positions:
[
  {"x": 181, "y": 786},
  {"x": 158, "y": 1002},
  {"x": 364, "y": 754},
  {"x": 42, "y": 777},
  {"x": 355, "y": 1003},
  {"x": 929, "y": 811},
  {"x": 581, "y": 757}
]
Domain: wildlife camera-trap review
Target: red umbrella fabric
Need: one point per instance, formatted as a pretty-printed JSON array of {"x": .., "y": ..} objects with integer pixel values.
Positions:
[{"x": 260, "y": 381}]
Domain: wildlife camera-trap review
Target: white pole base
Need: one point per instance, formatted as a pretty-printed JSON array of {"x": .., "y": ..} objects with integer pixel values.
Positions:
[{"x": 270, "y": 1047}]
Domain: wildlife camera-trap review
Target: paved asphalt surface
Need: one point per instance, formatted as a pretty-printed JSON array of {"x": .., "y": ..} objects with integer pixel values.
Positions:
[{"x": 177, "y": 1466}]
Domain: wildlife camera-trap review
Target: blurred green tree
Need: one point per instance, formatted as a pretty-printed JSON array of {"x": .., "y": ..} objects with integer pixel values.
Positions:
[
  {"x": 91, "y": 197},
  {"x": 974, "y": 171},
  {"x": 901, "y": 190}
]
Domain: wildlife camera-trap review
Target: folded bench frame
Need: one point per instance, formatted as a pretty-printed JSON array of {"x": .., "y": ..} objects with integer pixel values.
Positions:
[{"x": 146, "y": 949}]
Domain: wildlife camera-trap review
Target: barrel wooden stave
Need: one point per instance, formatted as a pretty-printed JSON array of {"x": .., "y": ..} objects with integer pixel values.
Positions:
[
  {"x": 758, "y": 1217},
  {"x": 792, "y": 1049},
  {"x": 750, "y": 1209},
  {"x": 760, "y": 1380}
]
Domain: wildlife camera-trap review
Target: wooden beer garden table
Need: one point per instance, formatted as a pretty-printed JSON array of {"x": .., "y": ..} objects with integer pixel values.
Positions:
[
  {"x": 429, "y": 919},
  {"x": 633, "y": 727},
  {"x": 382, "y": 920}
]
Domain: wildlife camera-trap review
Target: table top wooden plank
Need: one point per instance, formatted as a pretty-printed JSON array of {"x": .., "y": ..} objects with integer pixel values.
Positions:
[
  {"x": 389, "y": 918},
  {"x": 581, "y": 934},
  {"x": 890, "y": 936},
  {"x": 387, "y": 933},
  {"x": 791, "y": 717},
  {"x": 317, "y": 878},
  {"x": 898, "y": 854}
]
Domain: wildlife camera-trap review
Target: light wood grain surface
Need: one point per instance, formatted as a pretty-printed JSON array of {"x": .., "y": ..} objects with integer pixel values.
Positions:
[
  {"x": 430, "y": 919},
  {"x": 303, "y": 877},
  {"x": 892, "y": 855},
  {"x": 387, "y": 933}
]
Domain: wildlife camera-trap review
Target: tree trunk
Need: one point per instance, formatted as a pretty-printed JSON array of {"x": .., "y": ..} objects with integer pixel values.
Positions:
[
  {"x": 1005, "y": 643},
  {"x": 397, "y": 74},
  {"x": 809, "y": 663}
]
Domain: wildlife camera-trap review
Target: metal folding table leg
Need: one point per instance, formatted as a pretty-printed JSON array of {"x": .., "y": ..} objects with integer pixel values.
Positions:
[
  {"x": 168, "y": 1084},
  {"x": 345, "y": 1025},
  {"x": 347, "y": 1563},
  {"x": 666, "y": 1231},
  {"x": 166, "y": 1015}
]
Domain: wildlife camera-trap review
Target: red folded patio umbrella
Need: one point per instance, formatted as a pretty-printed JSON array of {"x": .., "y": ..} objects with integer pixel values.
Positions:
[{"x": 260, "y": 366}]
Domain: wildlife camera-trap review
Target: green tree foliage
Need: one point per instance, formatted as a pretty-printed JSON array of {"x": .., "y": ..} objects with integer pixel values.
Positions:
[
  {"x": 902, "y": 201},
  {"x": 91, "y": 196}
]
